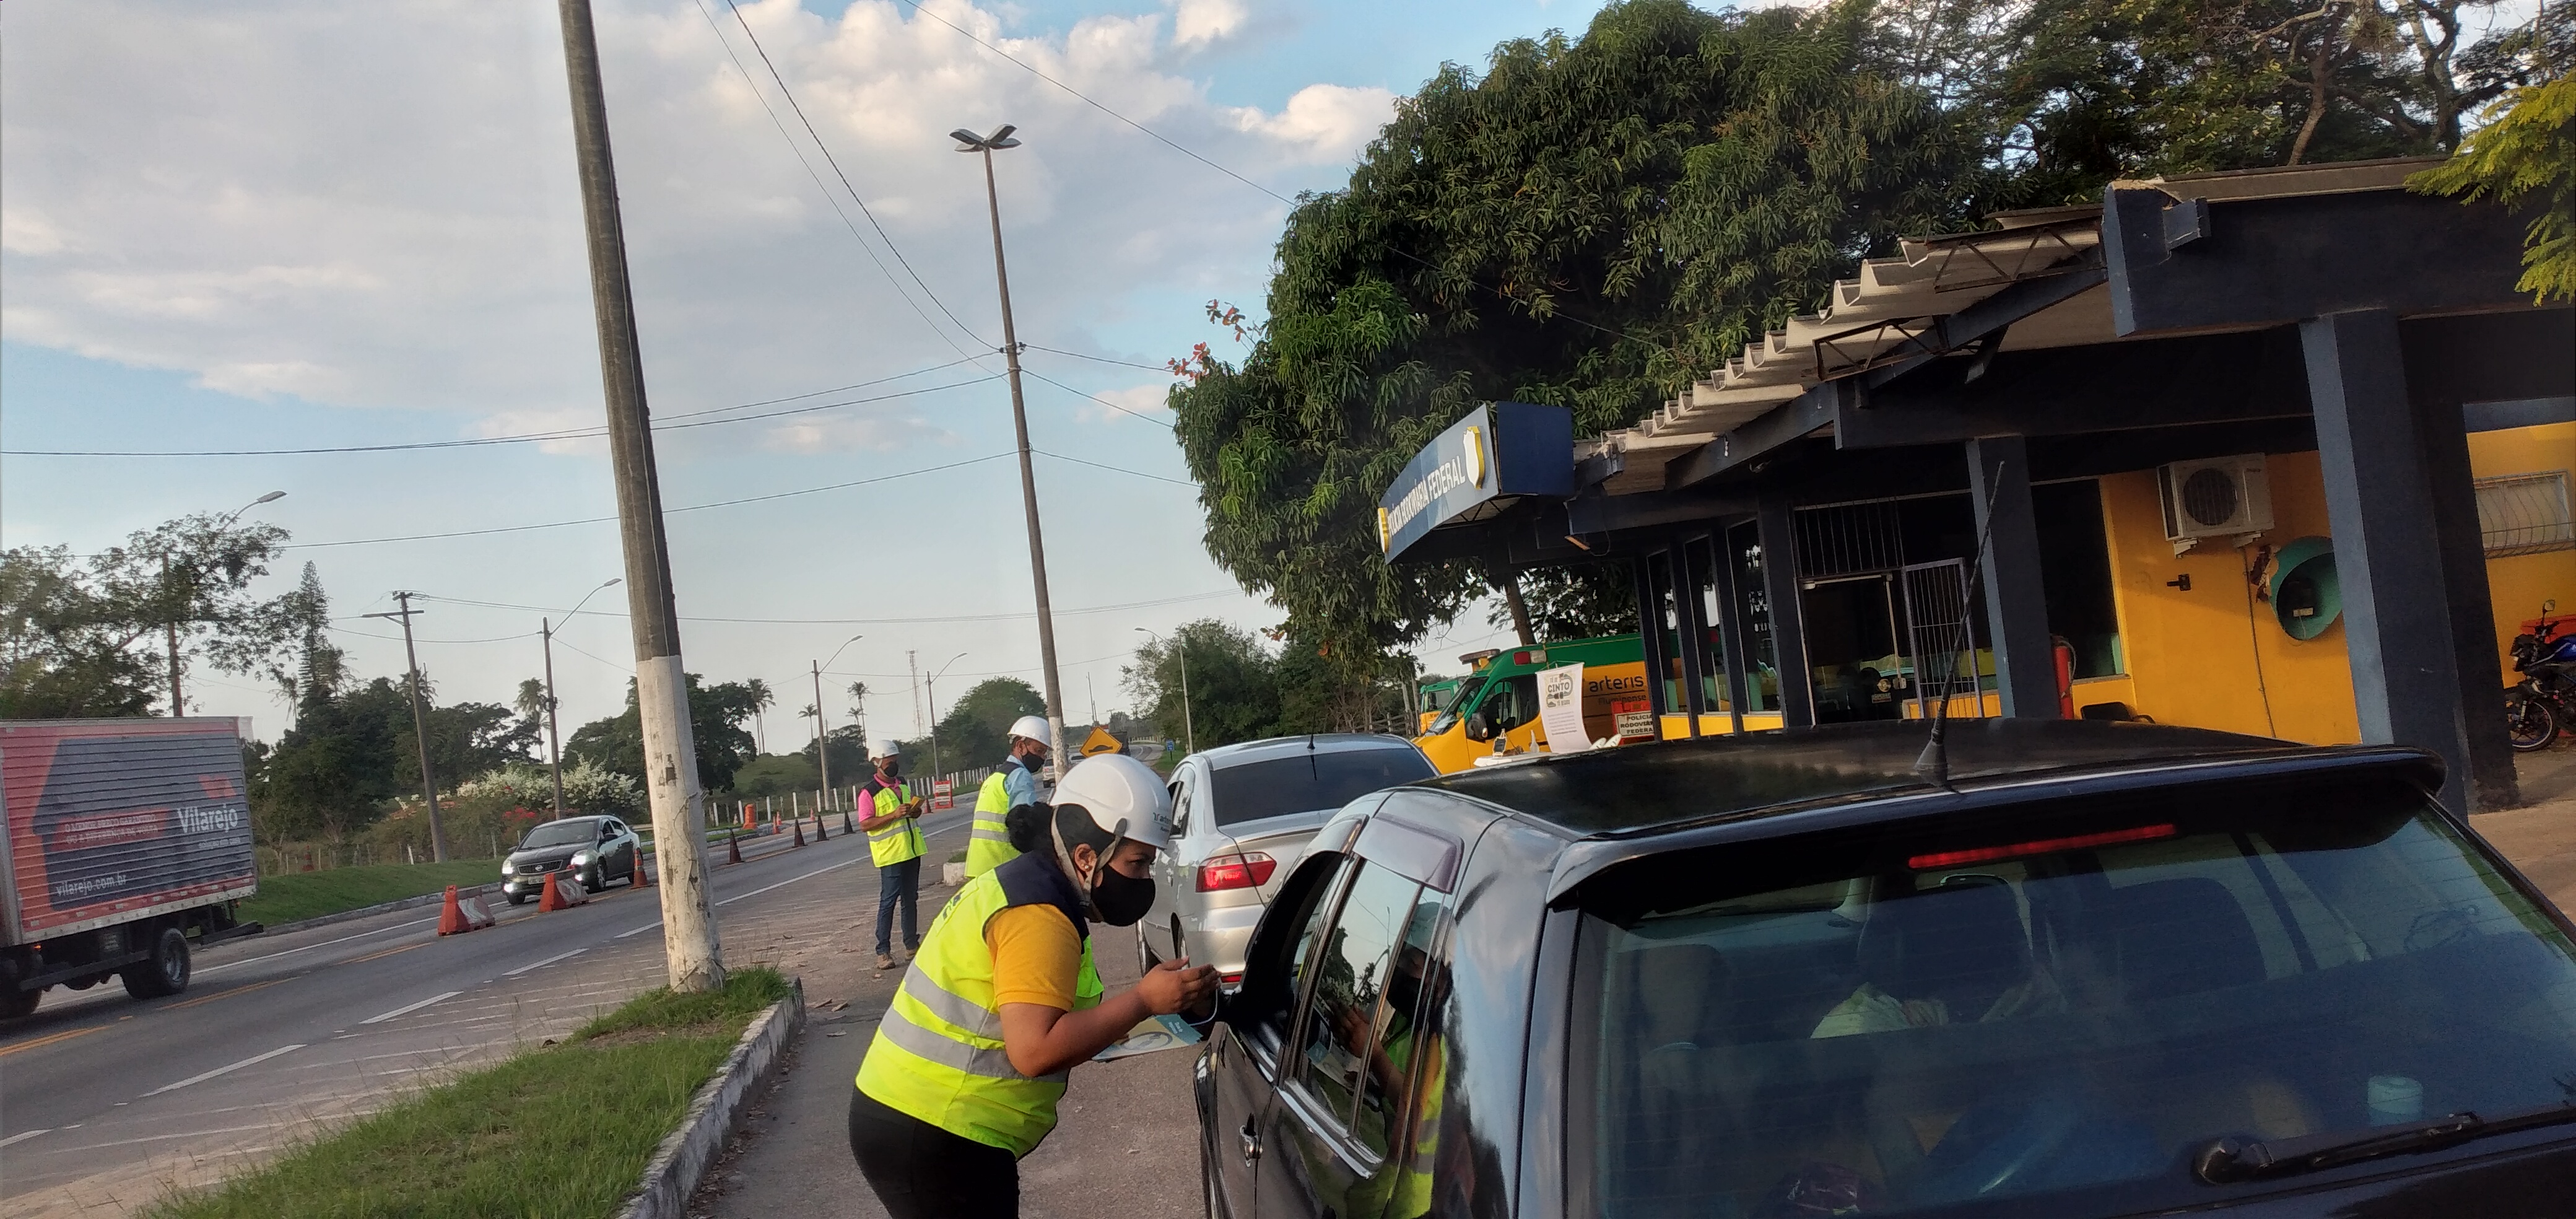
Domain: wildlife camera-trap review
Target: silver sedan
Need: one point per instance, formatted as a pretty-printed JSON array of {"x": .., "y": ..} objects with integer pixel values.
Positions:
[{"x": 1241, "y": 818}]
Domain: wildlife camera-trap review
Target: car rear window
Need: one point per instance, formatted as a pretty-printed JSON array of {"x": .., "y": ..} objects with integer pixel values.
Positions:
[
  {"x": 1315, "y": 781},
  {"x": 2069, "y": 1006}
]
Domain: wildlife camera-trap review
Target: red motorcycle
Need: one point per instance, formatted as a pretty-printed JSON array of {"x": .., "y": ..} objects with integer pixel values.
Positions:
[{"x": 2544, "y": 704}]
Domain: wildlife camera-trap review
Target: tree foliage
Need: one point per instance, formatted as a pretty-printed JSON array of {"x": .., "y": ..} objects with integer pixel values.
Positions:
[
  {"x": 1242, "y": 689},
  {"x": 975, "y": 731},
  {"x": 716, "y": 717},
  {"x": 2530, "y": 149}
]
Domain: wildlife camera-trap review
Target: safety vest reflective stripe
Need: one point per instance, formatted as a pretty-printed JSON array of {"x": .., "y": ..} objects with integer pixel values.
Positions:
[
  {"x": 954, "y": 1008},
  {"x": 988, "y": 1063},
  {"x": 893, "y": 844},
  {"x": 988, "y": 840}
]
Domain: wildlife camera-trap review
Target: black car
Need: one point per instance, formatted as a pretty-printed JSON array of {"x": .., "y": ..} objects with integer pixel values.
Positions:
[
  {"x": 2105, "y": 969},
  {"x": 597, "y": 850}
]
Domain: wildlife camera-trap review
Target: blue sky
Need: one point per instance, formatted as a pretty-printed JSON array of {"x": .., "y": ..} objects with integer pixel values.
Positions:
[{"x": 274, "y": 225}]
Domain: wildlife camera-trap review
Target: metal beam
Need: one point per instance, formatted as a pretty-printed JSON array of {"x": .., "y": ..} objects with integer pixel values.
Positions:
[
  {"x": 1730, "y": 625},
  {"x": 1780, "y": 598},
  {"x": 1593, "y": 513},
  {"x": 1650, "y": 639},
  {"x": 2023, "y": 299},
  {"x": 1785, "y": 424},
  {"x": 2406, "y": 678},
  {"x": 2016, "y": 605},
  {"x": 2149, "y": 383},
  {"x": 1694, "y": 632}
]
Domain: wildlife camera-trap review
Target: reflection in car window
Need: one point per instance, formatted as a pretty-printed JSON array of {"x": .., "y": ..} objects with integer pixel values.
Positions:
[
  {"x": 560, "y": 834},
  {"x": 1342, "y": 1017},
  {"x": 1312, "y": 781},
  {"x": 1514, "y": 702},
  {"x": 1273, "y": 1019},
  {"x": 1396, "y": 1040},
  {"x": 1455, "y": 707},
  {"x": 1996, "y": 1014}
]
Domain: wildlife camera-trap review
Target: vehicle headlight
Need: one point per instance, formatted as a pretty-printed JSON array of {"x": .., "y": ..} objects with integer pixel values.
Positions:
[
  {"x": 581, "y": 860},
  {"x": 507, "y": 869}
]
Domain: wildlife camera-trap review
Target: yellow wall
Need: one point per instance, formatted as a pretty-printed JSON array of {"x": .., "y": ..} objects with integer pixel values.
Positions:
[
  {"x": 2519, "y": 583},
  {"x": 2193, "y": 655}
]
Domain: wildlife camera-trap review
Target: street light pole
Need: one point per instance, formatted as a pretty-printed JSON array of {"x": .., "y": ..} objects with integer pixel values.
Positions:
[
  {"x": 987, "y": 144},
  {"x": 822, "y": 734},
  {"x": 930, "y": 685},
  {"x": 554, "y": 746},
  {"x": 178, "y": 703},
  {"x": 1180, "y": 649},
  {"x": 420, "y": 727},
  {"x": 692, "y": 954}
]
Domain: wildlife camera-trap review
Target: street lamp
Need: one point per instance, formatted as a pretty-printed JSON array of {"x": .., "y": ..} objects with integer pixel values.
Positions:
[
  {"x": 1189, "y": 731},
  {"x": 554, "y": 747},
  {"x": 178, "y": 707},
  {"x": 968, "y": 141},
  {"x": 930, "y": 684},
  {"x": 823, "y": 739}
]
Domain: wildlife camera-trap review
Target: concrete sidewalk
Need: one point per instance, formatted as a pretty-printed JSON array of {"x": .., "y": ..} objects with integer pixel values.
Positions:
[
  {"x": 1126, "y": 1147},
  {"x": 2540, "y": 837}
]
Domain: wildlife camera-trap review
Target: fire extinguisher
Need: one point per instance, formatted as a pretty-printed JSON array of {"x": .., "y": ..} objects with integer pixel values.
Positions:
[{"x": 2065, "y": 676}]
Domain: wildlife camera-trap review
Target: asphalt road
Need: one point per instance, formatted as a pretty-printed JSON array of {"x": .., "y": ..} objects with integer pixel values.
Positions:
[{"x": 106, "y": 1102}]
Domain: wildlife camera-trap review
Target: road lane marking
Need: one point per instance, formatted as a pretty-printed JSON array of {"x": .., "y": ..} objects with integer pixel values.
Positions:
[
  {"x": 560, "y": 956},
  {"x": 410, "y": 1008},
  {"x": 22, "y": 1136},
  {"x": 637, "y": 930},
  {"x": 253, "y": 1060},
  {"x": 792, "y": 880},
  {"x": 227, "y": 994},
  {"x": 42, "y": 1042},
  {"x": 310, "y": 947},
  {"x": 385, "y": 953}
]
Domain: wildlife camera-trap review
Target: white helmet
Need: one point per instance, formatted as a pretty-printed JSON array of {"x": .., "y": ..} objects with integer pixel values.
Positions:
[
  {"x": 1032, "y": 727},
  {"x": 1122, "y": 796},
  {"x": 889, "y": 749}
]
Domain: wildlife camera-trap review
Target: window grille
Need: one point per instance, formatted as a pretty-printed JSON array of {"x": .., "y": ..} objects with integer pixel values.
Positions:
[{"x": 2525, "y": 513}]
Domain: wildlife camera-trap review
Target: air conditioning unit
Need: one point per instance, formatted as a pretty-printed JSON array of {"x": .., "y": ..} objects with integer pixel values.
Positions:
[{"x": 2220, "y": 497}]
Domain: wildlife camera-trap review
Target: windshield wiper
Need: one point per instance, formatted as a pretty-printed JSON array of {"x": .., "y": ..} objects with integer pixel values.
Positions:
[{"x": 2228, "y": 1159}]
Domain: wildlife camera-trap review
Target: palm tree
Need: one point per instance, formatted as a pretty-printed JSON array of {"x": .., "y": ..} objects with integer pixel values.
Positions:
[
  {"x": 761, "y": 700},
  {"x": 859, "y": 709}
]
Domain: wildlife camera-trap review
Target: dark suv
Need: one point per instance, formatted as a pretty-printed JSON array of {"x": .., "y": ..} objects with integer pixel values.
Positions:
[
  {"x": 2107, "y": 969},
  {"x": 595, "y": 850}
]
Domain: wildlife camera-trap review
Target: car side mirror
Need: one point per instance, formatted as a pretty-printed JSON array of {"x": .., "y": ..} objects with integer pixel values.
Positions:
[{"x": 1479, "y": 728}]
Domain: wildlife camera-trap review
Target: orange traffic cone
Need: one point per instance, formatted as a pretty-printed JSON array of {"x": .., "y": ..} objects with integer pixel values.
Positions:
[
  {"x": 733, "y": 848},
  {"x": 643, "y": 873},
  {"x": 552, "y": 899},
  {"x": 800, "y": 832},
  {"x": 451, "y": 920}
]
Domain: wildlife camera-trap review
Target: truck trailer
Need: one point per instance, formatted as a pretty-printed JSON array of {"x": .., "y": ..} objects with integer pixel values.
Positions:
[{"x": 128, "y": 844}]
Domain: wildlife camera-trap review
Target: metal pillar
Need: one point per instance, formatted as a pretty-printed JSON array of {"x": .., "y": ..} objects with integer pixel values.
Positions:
[
  {"x": 1730, "y": 628},
  {"x": 1780, "y": 592},
  {"x": 1694, "y": 633},
  {"x": 2397, "y": 623},
  {"x": 2493, "y": 783},
  {"x": 2016, "y": 608},
  {"x": 1650, "y": 637}
]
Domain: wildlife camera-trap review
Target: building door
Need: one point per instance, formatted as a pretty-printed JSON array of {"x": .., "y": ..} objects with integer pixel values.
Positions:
[
  {"x": 1854, "y": 648},
  {"x": 1944, "y": 632}
]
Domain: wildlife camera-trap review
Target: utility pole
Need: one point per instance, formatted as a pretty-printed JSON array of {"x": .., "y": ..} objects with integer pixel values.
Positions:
[
  {"x": 420, "y": 728},
  {"x": 554, "y": 744},
  {"x": 970, "y": 142},
  {"x": 177, "y": 708},
  {"x": 912, "y": 662},
  {"x": 822, "y": 737},
  {"x": 692, "y": 955}
]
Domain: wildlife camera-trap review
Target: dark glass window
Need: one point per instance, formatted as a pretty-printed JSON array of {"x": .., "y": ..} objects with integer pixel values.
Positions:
[
  {"x": 2075, "y": 574},
  {"x": 561, "y": 834},
  {"x": 1307, "y": 907},
  {"x": 1313, "y": 781},
  {"x": 1397, "y": 1038},
  {"x": 1350, "y": 982}
]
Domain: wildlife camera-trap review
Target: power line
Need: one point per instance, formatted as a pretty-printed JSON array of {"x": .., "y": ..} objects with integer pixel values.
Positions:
[
  {"x": 829, "y": 159},
  {"x": 596, "y": 520},
  {"x": 1154, "y": 603},
  {"x": 342, "y": 630},
  {"x": 625, "y": 669},
  {"x": 525, "y": 438},
  {"x": 1160, "y": 368},
  {"x": 1115, "y": 469},
  {"x": 1162, "y": 423}
]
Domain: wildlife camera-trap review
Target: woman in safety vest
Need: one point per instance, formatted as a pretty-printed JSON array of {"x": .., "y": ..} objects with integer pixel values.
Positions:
[{"x": 1002, "y": 1000}]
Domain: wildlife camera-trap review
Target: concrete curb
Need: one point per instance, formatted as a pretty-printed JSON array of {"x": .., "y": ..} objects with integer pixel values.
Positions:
[
  {"x": 405, "y": 903},
  {"x": 672, "y": 1174}
]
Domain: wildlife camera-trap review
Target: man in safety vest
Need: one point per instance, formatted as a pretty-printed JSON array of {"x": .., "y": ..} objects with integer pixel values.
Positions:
[
  {"x": 971, "y": 1057},
  {"x": 1012, "y": 784},
  {"x": 892, "y": 823}
]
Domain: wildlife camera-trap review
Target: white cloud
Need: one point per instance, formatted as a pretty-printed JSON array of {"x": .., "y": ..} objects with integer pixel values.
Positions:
[
  {"x": 1146, "y": 400},
  {"x": 1198, "y": 23},
  {"x": 852, "y": 435},
  {"x": 1329, "y": 122}
]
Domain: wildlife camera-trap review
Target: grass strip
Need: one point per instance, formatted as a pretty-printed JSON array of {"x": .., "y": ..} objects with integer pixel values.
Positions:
[
  {"x": 303, "y": 895},
  {"x": 562, "y": 1130}
]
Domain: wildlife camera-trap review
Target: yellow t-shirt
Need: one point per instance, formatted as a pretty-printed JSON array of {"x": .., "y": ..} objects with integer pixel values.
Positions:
[{"x": 1037, "y": 955}]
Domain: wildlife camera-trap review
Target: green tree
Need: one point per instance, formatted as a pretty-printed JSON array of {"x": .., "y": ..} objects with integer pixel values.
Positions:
[
  {"x": 1233, "y": 684},
  {"x": 332, "y": 773},
  {"x": 976, "y": 729},
  {"x": 2529, "y": 149},
  {"x": 1589, "y": 223},
  {"x": 716, "y": 717}
]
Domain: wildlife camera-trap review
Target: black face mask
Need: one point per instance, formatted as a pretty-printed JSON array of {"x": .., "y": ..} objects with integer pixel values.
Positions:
[
  {"x": 891, "y": 769},
  {"x": 1119, "y": 899}
]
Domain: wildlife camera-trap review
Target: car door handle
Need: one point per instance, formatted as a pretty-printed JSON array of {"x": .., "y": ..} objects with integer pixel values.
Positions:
[{"x": 1251, "y": 1142}]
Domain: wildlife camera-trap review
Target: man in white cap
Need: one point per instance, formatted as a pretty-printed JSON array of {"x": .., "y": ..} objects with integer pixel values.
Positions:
[
  {"x": 1003, "y": 1000},
  {"x": 1012, "y": 784},
  {"x": 893, "y": 826}
]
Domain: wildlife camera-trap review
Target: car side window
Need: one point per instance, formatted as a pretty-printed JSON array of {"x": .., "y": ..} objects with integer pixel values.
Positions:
[
  {"x": 1512, "y": 703},
  {"x": 1273, "y": 977},
  {"x": 1181, "y": 805},
  {"x": 1351, "y": 971},
  {"x": 1407, "y": 1028}
]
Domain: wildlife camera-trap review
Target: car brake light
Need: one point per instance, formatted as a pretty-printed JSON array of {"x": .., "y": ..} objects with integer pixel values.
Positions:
[
  {"x": 2043, "y": 846},
  {"x": 1249, "y": 870}
]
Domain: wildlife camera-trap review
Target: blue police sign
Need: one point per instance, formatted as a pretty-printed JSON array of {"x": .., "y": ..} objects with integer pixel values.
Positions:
[{"x": 1499, "y": 450}]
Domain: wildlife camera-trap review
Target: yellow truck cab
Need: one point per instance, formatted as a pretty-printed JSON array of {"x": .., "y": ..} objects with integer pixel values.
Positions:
[
  {"x": 1496, "y": 706},
  {"x": 1438, "y": 694}
]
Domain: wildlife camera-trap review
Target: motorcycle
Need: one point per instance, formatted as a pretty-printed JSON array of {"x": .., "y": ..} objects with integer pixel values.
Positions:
[{"x": 2544, "y": 704}]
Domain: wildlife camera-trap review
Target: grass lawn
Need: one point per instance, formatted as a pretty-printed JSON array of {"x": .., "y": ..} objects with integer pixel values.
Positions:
[
  {"x": 302, "y": 895},
  {"x": 559, "y": 1131}
]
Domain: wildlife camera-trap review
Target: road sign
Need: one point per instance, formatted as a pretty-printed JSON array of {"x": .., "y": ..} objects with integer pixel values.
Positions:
[{"x": 943, "y": 793}]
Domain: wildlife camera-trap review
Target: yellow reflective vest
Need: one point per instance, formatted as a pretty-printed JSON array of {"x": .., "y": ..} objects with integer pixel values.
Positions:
[
  {"x": 892, "y": 844},
  {"x": 988, "y": 841},
  {"x": 938, "y": 1052}
]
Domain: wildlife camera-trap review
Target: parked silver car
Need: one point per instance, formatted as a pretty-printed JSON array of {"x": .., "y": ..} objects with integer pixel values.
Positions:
[{"x": 1241, "y": 818}]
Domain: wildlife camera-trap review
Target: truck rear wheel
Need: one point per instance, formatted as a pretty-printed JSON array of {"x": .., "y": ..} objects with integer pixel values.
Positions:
[
  {"x": 165, "y": 972},
  {"x": 15, "y": 1002}
]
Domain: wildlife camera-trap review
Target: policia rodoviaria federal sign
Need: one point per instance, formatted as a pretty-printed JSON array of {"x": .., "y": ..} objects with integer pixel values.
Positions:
[{"x": 1498, "y": 451}]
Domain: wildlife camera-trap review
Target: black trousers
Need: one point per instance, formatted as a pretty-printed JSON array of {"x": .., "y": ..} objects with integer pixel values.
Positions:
[{"x": 923, "y": 1172}]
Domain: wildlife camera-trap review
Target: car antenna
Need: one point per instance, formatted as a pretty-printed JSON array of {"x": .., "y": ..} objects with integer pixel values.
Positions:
[{"x": 1933, "y": 764}]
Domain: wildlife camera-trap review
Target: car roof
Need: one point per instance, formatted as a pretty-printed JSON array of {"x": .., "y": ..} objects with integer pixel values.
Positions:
[
  {"x": 1647, "y": 789},
  {"x": 1243, "y": 752}
]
